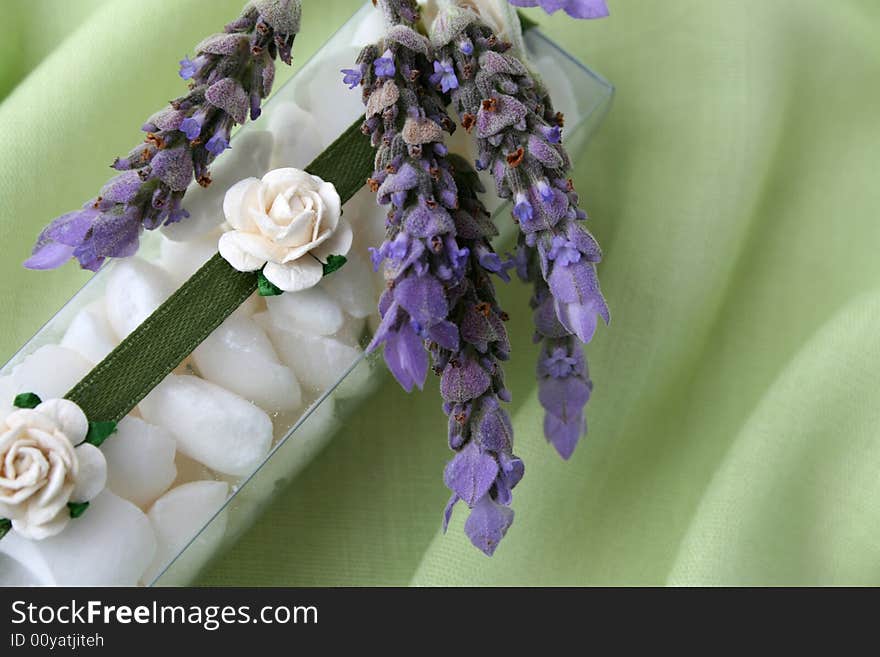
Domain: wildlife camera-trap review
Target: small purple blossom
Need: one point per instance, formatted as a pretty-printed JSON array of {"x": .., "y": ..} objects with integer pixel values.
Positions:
[
  {"x": 522, "y": 209},
  {"x": 352, "y": 77},
  {"x": 563, "y": 252},
  {"x": 557, "y": 364},
  {"x": 444, "y": 75},
  {"x": 384, "y": 65},
  {"x": 192, "y": 125},
  {"x": 574, "y": 8},
  {"x": 187, "y": 68},
  {"x": 218, "y": 143},
  {"x": 552, "y": 133}
]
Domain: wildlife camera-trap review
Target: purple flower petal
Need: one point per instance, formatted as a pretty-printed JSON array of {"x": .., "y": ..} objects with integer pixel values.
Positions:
[
  {"x": 487, "y": 524},
  {"x": 230, "y": 96},
  {"x": 406, "y": 358},
  {"x": 462, "y": 382},
  {"x": 564, "y": 434},
  {"x": 494, "y": 430},
  {"x": 470, "y": 473},
  {"x": 423, "y": 298},
  {"x": 49, "y": 256}
]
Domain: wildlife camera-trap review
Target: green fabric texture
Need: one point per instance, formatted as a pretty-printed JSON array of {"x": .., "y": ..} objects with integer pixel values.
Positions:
[{"x": 734, "y": 425}]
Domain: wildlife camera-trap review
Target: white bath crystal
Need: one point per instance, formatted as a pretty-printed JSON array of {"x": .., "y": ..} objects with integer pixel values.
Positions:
[
  {"x": 334, "y": 111},
  {"x": 182, "y": 259},
  {"x": 318, "y": 361},
  {"x": 297, "y": 138},
  {"x": 90, "y": 333},
  {"x": 140, "y": 461},
  {"x": 135, "y": 288},
  {"x": 353, "y": 286},
  {"x": 249, "y": 156},
  {"x": 311, "y": 311},
  {"x": 210, "y": 424},
  {"x": 178, "y": 516},
  {"x": 239, "y": 357},
  {"x": 50, "y": 372},
  {"x": 111, "y": 544}
]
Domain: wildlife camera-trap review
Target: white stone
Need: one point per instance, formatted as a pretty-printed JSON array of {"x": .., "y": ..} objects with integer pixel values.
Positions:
[
  {"x": 111, "y": 544},
  {"x": 176, "y": 518},
  {"x": 318, "y": 361},
  {"x": 210, "y": 424},
  {"x": 297, "y": 138},
  {"x": 50, "y": 372},
  {"x": 334, "y": 111},
  {"x": 183, "y": 259},
  {"x": 353, "y": 286},
  {"x": 311, "y": 311},
  {"x": 140, "y": 461},
  {"x": 90, "y": 333},
  {"x": 249, "y": 156},
  {"x": 135, "y": 288},
  {"x": 239, "y": 357}
]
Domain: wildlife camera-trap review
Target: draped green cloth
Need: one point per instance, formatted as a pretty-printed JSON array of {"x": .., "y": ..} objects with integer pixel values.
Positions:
[{"x": 735, "y": 424}]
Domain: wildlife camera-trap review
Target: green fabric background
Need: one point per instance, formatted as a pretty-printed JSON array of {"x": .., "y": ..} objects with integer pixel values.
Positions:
[{"x": 735, "y": 426}]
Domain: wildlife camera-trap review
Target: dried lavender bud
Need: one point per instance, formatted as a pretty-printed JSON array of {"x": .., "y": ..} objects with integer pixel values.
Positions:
[
  {"x": 229, "y": 77},
  {"x": 438, "y": 263}
]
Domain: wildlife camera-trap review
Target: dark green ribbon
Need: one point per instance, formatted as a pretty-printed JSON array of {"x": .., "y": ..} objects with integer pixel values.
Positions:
[{"x": 128, "y": 373}]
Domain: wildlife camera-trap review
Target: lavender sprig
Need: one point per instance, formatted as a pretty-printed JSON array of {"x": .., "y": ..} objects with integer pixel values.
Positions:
[
  {"x": 230, "y": 75},
  {"x": 437, "y": 260},
  {"x": 519, "y": 140},
  {"x": 484, "y": 470}
]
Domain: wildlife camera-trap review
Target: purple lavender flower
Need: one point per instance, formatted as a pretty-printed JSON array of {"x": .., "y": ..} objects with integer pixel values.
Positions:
[
  {"x": 444, "y": 75},
  {"x": 192, "y": 125},
  {"x": 230, "y": 75},
  {"x": 518, "y": 135},
  {"x": 351, "y": 77},
  {"x": 440, "y": 298},
  {"x": 574, "y": 8},
  {"x": 188, "y": 68},
  {"x": 384, "y": 66}
]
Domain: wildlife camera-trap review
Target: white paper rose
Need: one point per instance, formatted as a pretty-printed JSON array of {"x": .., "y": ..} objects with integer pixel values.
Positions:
[
  {"x": 288, "y": 223},
  {"x": 41, "y": 470}
]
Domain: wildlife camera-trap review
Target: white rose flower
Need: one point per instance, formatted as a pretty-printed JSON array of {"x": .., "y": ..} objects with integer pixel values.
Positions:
[
  {"x": 290, "y": 221},
  {"x": 41, "y": 470}
]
